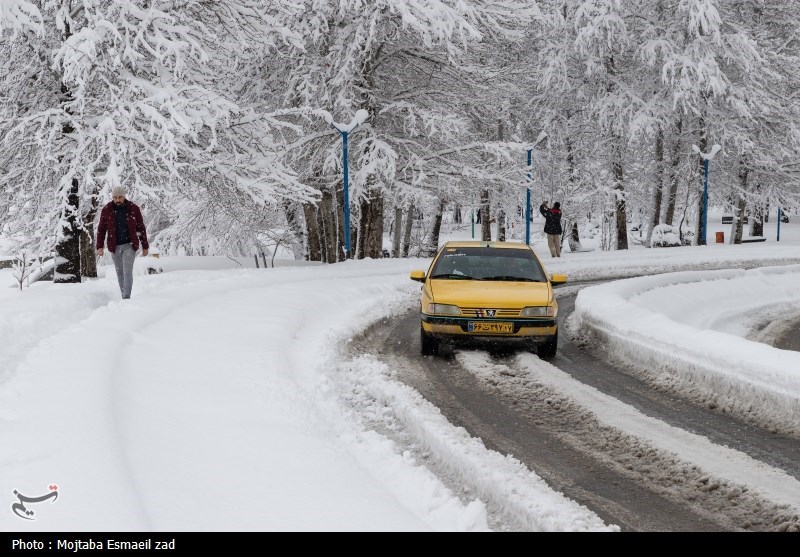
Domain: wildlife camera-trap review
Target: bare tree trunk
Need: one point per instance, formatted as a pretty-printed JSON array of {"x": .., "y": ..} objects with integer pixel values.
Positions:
[
  {"x": 699, "y": 231},
  {"x": 457, "y": 217},
  {"x": 329, "y": 231},
  {"x": 757, "y": 229},
  {"x": 486, "y": 226},
  {"x": 617, "y": 170},
  {"x": 363, "y": 209},
  {"x": 312, "y": 232},
  {"x": 88, "y": 258},
  {"x": 736, "y": 234},
  {"x": 323, "y": 233},
  {"x": 501, "y": 214},
  {"x": 574, "y": 237},
  {"x": 739, "y": 221},
  {"x": 398, "y": 221},
  {"x": 371, "y": 226},
  {"x": 619, "y": 193},
  {"x": 669, "y": 216},
  {"x": 340, "y": 255},
  {"x": 655, "y": 210},
  {"x": 409, "y": 224},
  {"x": 88, "y": 254},
  {"x": 432, "y": 245}
]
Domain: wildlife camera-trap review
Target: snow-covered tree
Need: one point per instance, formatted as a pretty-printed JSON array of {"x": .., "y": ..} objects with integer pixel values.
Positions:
[
  {"x": 142, "y": 94},
  {"x": 409, "y": 64},
  {"x": 570, "y": 167},
  {"x": 211, "y": 113},
  {"x": 19, "y": 16},
  {"x": 649, "y": 79}
]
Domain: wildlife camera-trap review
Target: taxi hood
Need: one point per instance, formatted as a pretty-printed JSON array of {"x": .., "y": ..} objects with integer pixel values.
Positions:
[{"x": 477, "y": 293}]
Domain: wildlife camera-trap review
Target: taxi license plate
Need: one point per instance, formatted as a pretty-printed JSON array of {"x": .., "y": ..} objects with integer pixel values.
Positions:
[{"x": 481, "y": 327}]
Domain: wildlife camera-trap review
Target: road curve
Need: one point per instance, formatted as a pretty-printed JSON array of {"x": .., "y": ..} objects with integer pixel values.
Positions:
[{"x": 622, "y": 479}]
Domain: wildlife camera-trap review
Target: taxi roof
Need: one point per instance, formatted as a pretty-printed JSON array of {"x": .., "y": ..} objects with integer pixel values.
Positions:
[{"x": 480, "y": 244}]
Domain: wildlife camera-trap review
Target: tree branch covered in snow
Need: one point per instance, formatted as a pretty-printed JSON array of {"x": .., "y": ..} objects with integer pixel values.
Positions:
[{"x": 143, "y": 95}]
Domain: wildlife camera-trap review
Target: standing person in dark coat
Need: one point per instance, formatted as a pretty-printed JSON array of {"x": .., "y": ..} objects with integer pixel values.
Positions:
[
  {"x": 552, "y": 226},
  {"x": 122, "y": 221}
]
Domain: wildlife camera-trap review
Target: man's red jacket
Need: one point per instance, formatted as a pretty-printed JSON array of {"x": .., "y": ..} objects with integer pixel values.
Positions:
[{"x": 108, "y": 225}]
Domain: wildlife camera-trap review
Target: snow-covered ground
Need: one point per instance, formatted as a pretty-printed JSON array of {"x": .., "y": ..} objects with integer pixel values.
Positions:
[{"x": 222, "y": 399}]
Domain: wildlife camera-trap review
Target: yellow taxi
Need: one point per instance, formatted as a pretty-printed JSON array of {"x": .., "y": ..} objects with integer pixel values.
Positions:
[{"x": 488, "y": 291}]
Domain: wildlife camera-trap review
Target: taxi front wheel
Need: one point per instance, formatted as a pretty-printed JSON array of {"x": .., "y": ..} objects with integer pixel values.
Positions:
[
  {"x": 547, "y": 350},
  {"x": 429, "y": 346}
]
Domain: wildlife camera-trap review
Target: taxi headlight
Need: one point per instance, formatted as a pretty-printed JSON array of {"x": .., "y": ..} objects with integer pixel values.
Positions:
[
  {"x": 539, "y": 311},
  {"x": 443, "y": 309}
]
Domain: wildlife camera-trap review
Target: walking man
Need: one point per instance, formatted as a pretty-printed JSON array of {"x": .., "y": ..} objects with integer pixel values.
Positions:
[
  {"x": 122, "y": 221},
  {"x": 552, "y": 226}
]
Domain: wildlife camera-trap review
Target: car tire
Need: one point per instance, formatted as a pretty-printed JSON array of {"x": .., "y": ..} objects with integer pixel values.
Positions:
[
  {"x": 429, "y": 346},
  {"x": 547, "y": 350}
]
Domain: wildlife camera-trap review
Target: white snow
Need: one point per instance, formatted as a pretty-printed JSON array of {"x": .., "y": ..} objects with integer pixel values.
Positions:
[
  {"x": 676, "y": 322},
  {"x": 223, "y": 399}
]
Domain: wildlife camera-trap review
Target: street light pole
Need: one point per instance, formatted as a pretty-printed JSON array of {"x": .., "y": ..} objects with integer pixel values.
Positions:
[
  {"x": 701, "y": 239},
  {"x": 346, "y": 172},
  {"x": 345, "y": 130},
  {"x": 778, "y": 239},
  {"x": 528, "y": 200},
  {"x": 542, "y": 137},
  {"x": 705, "y": 201}
]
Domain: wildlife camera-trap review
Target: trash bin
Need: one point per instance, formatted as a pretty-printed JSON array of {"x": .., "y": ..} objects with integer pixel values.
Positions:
[{"x": 720, "y": 237}]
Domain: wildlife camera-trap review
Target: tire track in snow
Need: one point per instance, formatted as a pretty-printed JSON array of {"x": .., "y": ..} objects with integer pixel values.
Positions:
[{"x": 674, "y": 462}]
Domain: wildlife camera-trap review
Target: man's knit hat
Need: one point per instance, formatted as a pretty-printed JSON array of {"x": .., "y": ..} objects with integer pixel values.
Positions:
[{"x": 118, "y": 190}]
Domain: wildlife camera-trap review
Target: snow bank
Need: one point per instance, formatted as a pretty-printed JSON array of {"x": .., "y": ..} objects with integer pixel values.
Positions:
[{"x": 671, "y": 324}]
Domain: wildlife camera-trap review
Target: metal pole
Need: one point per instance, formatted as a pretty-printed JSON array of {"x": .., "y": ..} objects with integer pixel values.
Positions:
[
  {"x": 705, "y": 203},
  {"x": 473, "y": 224},
  {"x": 346, "y": 197},
  {"x": 528, "y": 201},
  {"x": 779, "y": 225}
]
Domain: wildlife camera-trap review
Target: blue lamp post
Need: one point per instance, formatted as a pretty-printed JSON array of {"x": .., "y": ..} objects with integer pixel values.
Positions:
[
  {"x": 528, "y": 200},
  {"x": 345, "y": 130},
  {"x": 704, "y": 218},
  {"x": 705, "y": 201},
  {"x": 778, "y": 238},
  {"x": 529, "y": 149}
]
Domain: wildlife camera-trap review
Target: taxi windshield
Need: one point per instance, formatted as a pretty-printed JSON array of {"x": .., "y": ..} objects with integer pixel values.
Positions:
[{"x": 487, "y": 263}]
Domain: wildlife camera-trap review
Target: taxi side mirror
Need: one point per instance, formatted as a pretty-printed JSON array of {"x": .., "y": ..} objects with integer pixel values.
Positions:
[
  {"x": 418, "y": 276},
  {"x": 558, "y": 279}
]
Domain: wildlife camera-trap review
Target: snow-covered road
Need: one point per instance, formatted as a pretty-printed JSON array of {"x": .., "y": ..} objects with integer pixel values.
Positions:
[{"x": 222, "y": 400}]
